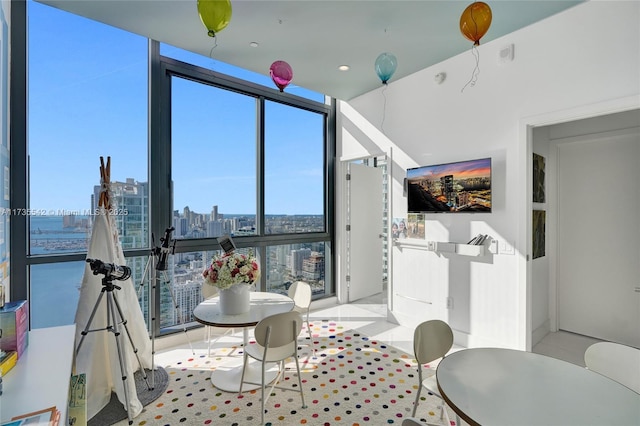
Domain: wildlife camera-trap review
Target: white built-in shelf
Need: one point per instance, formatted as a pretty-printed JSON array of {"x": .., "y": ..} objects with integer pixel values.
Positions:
[
  {"x": 443, "y": 247},
  {"x": 459, "y": 248},
  {"x": 410, "y": 242},
  {"x": 40, "y": 378}
]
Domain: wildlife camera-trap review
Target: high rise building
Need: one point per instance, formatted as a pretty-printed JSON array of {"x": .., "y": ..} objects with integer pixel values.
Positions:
[
  {"x": 276, "y": 280},
  {"x": 282, "y": 256},
  {"x": 313, "y": 267},
  {"x": 130, "y": 202},
  {"x": 181, "y": 226},
  {"x": 447, "y": 188},
  {"x": 297, "y": 260},
  {"x": 214, "y": 228},
  {"x": 69, "y": 221}
]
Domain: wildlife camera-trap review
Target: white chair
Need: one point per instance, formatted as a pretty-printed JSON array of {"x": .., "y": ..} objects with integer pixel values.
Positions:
[
  {"x": 276, "y": 340},
  {"x": 432, "y": 340},
  {"x": 208, "y": 291},
  {"x": 300, "y": 292},
  {"x": 615, "y": 361}
]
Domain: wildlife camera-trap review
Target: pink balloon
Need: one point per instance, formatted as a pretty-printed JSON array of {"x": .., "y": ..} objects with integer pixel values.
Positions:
[{"x": 281, "y": 74}]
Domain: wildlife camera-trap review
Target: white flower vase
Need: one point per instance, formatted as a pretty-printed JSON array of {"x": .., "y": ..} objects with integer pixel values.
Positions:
[{"x": 234, "y": 300}]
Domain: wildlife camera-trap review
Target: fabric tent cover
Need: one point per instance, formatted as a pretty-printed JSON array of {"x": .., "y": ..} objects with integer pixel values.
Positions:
[{"x": 98, "y": 356}]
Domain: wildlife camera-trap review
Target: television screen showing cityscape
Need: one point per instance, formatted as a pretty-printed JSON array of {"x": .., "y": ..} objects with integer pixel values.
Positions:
[{"x": 463, "y": 187}]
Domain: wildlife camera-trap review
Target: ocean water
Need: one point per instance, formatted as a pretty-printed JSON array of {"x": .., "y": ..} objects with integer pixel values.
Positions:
[
  {"x": 55, "y": 288},
  {"x": 48, "y": 236}
]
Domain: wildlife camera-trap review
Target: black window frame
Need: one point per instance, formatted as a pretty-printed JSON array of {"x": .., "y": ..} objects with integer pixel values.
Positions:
[{"x": 160, "y": 69}]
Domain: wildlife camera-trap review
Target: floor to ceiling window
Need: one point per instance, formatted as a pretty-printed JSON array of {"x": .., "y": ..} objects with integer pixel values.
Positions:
[
  {"x": 243, "y": 160},
  {"x": 249, "y": 163},
  {"x": 87, "y": 99},
  {"x": 213, "y": 160}
]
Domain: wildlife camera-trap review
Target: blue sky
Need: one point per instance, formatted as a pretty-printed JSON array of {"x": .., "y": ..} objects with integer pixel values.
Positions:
[{"x": 88, "y": 98}]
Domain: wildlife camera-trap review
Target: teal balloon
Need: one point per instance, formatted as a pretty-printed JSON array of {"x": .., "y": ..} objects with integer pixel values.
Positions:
[{"x": 386, "y": 65}]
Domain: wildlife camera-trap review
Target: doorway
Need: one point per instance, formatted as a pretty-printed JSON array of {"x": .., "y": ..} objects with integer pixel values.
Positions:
[
  {"x": 591, "y": 265},
  {"x": 366, "y": 228}
]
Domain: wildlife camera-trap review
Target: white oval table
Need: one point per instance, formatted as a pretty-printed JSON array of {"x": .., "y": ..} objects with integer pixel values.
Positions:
[
  {"x": 227, "y": 376},
  {"x": 492, "y": 386}
]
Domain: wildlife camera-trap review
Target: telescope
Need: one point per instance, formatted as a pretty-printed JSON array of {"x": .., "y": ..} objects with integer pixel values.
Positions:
[
  {"x": 164, "y": 249},
  {"x": 109, "y": 270}
]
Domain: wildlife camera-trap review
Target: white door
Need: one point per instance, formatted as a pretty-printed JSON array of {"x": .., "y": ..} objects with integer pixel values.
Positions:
[
  {"x": 599, "y": 236},
  {"x": 366, "y": 233}
]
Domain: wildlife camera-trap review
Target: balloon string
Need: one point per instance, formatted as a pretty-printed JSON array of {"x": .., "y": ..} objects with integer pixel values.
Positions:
[
  {"x": 476, "y": 70},
  {"x": 384, "y": 107},
  {"x": 215, "y": 44}
]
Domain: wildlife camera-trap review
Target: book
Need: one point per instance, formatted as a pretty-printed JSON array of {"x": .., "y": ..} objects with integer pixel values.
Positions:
[
  {"x": 14, "y": 323},
  {"x": 8, "y": 361},
  {"x": 475, "y": 239},
  {"x": 45, "y": 417},
  {"x": 77, "y": 411},
  {"x": 478, "y": 240}
]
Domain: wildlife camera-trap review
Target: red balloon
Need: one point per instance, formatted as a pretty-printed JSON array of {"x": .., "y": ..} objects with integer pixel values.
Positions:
[{"x": 281, "y": 74}]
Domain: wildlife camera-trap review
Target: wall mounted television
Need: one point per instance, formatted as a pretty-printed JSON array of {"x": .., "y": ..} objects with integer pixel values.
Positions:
[{"x": 461, "y": 187}]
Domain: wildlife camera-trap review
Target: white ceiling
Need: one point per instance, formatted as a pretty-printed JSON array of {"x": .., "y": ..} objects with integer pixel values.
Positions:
[{"x": 316, "y": 36}]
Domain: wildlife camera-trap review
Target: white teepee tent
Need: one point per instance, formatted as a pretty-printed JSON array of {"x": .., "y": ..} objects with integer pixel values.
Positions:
[{"x": 98, "y": 355}]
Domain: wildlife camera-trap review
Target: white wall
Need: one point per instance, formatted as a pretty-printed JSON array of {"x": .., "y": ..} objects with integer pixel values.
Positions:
[{"x": 584, "y": 59}]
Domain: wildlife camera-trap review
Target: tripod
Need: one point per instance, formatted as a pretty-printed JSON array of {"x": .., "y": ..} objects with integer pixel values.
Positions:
[
  {"x": 114, "y": 320},
  {"x": 156, "y": 264}
]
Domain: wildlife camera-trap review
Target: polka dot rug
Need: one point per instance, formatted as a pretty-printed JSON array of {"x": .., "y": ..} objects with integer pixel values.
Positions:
[{"x": 350, "y": 379}]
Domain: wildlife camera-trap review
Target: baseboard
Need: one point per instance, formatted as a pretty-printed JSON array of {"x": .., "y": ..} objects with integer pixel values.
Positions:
[
  {"x": 325, "y": 302},
  {"x": 466, "y": 340},
  {"x": 180, "y": 339},
  {"x": 539, "y": 333},
  {"x": 461, "y": 339}
]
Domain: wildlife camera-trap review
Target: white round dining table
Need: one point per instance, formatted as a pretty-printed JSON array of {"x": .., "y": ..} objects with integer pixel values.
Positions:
[
  {"x": 494, "y": 386},
  {"x": 227, "y": 375}
]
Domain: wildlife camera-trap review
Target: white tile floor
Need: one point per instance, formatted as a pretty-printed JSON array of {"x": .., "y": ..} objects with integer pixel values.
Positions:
[
  {"x": 369, "y": 316},
  {"x": 565, "y": 345}
]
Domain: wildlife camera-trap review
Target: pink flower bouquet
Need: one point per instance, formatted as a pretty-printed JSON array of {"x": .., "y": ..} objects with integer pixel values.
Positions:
[{"x": 230, "y": 269}]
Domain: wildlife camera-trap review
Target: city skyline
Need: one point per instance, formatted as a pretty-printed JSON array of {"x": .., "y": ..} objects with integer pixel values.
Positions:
[{"x": 283, "y": 265}]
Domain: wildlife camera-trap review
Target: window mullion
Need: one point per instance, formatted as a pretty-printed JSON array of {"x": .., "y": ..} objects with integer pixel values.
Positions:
[
  {"x": 260, "y": 183},
  {"x": 260, "y": 166},
  {"x": 159, "y": 144}
]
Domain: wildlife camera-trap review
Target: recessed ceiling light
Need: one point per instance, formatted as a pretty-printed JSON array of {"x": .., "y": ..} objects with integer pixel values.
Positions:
[
  {"x": 343, "y": 67},
  {"x": 253, "y": 44}
]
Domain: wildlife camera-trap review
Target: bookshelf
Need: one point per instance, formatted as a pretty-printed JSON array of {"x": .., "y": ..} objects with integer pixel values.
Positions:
[
  {"x": 444, "y": 247},
  {"x": 40, "y": 378},
  {"x": 459, "y": 248}
]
